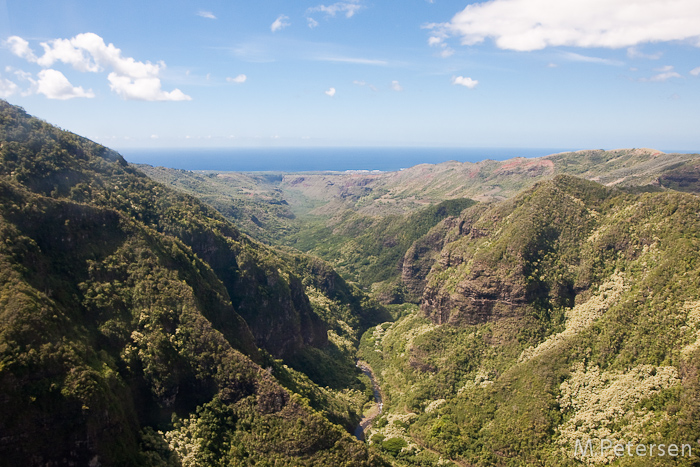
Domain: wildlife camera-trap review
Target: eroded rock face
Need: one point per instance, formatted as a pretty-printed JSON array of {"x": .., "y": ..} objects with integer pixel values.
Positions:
[
  {"x": 483, "y": 295},
  {"x": 421, "y": 255},
  {"x": 510, "y": 258},
  {"x": 685, "y": 178}
]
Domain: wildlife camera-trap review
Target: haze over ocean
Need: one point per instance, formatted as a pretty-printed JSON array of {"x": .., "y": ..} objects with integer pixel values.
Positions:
[{"x": 315, "y": 159}]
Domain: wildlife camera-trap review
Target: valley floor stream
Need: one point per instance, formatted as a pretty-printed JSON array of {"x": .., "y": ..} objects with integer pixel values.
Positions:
[{"x": 376, "y": 409}]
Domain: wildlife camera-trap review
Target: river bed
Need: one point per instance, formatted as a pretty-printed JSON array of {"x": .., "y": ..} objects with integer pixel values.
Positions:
[{"x": 378, "y": 403}]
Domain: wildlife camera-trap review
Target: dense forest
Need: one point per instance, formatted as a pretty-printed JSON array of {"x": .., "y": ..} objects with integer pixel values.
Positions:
[
  {"x": 508, "y": 310},
  {"x": 139, "y": 327}
]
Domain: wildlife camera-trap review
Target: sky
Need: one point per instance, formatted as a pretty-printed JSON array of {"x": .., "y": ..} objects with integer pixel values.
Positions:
[{"x": 577, "y": 74}]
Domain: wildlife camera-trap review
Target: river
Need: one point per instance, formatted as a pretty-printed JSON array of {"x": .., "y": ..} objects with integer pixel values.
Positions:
[{"x": 378, "y": 402}]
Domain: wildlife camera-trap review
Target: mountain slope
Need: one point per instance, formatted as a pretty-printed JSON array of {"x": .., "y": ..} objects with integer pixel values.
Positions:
[
  {"x": 132, "y": 317},
  {"x": 322, "y": 213},
  {"x": 569, "y": 312}
]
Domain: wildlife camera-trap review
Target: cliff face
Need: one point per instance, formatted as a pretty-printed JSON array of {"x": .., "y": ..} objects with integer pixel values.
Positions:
[
  {"x": 686, "y": 178},
  {"x": 421, "y": 256},
  {"x": 502, "y": 260}
]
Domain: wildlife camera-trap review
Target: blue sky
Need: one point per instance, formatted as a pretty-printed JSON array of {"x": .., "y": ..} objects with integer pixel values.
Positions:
[{"x": 576, "y": 74}]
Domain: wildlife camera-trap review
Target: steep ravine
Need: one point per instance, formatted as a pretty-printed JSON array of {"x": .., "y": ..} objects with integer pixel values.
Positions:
[{"x": 376, "y": 410}]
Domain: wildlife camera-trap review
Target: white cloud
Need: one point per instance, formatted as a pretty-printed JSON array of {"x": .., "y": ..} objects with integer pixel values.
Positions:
[
  {"x": 7, "y": 88},
  {"x": 312, "y": 22},
  {"x": 88, "y": 52},
  {"x": 330, "y": 92},
  {"x": 240, "y": 79},
  {"x": 54, "y": 85},
  {"x": 664, "y": 74},
  {"x": 280, "y": 23},
  {"x": 439, "y": 41},
  {"x": 20, "y": 47},
  {"x": 695, "y": 71},
  {"x": 68, "y": 51},
  {"x": 24, "y": 76},
  {"x": 526, "y": 25},
  {"x": 447, "y": 52},
  {"x": 363, "y": 83},
  {"x": 395, "y": 86},
  {"x": 634, "y": 52},
  {"x": 349, "y": 8},
  {"x": 143, "y": 89},
  {"x": 574, "y": 57},
  {"x": 464, "y": 81},
  {"x": 206, "y": 14}
]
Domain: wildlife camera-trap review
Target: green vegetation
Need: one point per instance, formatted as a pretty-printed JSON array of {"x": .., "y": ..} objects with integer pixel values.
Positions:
[
  {"x": 369, "y": 251},
  {"x": 571, "y": 314},
  {"x": 253, "y": 202},
  {"x": 139, "y": 327}
]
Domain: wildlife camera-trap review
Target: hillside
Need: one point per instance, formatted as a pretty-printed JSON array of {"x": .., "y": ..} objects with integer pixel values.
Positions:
[
  {"x": 139, "y": 327},
  {"x": 569, "y": 312},
  {"x": 351, "y": 219},
  {"x": 253, "y": 201},
  {"x": 267, "y": 204},
  {"x": 415, "y": 187}
]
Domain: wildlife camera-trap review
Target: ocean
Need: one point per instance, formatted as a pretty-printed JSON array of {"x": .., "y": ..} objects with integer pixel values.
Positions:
[{"x": 319, "y": 159}]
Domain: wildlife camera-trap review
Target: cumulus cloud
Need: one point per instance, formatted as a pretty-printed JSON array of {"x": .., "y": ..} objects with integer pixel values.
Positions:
[
  {"x": 72, "y": 52},
  {"x": 312, "y": 22},
  {"x": 143, "y": 89},
  {"x": 129, "y": 78},
  {"x": 280, "y": 23},
  {"x": 240, "y": 79},
  {"x": 526, "y": 25},
  {"x": 695, "y": 71},
  {"x": 465, "y": 81},
  {"x": 7, "y": 88},
  {"x": 54, "y": 85},
  {"x": 395, "y": 86},
  {"x": 206, "y": 14},
  {"x": 20, "y": 47},
  {"x": 330, "y": 92}
]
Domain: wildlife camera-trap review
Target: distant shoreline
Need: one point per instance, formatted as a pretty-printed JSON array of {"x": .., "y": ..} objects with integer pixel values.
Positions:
[{"x": 385, "y": 159}]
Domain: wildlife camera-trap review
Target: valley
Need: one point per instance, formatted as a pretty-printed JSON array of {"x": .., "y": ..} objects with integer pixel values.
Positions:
[
  {"x": 493, "y": 313},
  {"x": 534, "y": 302}
]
